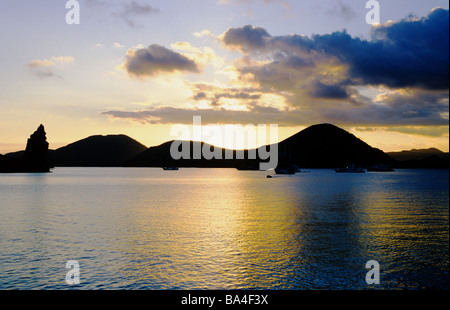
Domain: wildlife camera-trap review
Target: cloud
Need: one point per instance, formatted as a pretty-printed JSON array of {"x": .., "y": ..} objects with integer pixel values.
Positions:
[
  {"x": 411, "y": 108},
  {"x": 284, "y": 3},
  {"x": 413, "y": 52},
  {"x": 247, "y": 38},
  {"x": 429, "y": 131},
  {"x": 216, "y": 97},
  {"x": 44, "y": 73},
  {"x": 418, "y": 107},
  {"x": 201, "y": 56},
  {"x": 171, "y": 115},
  {"x": 40, "y": 63},
  {"x": 136, "y": 8},
  {"x": 118, "y": 45},
  {"x": 398, "y": 78},
  {"x": 203, "y": 33},
  {"x": 325, "y": 91},
  {"x": 324, "y": 75},
  {"x": 155, "y": 60},
  {"x": 394, "y": 109},
  {"x": 63, "y": 59},
  {"x": 43, "y": 68},
  {"x": 220, "y": 96},
  {"x": 133, "y": 9},
  {"x": 342, "y": 10},
  {"x": 95, "y": 3}
]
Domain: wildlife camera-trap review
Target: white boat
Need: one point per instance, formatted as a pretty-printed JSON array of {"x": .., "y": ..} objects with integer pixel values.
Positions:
[{"x": 351, "y": 169}]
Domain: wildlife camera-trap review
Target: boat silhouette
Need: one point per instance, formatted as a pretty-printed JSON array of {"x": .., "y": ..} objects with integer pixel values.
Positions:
[
  {"x": 171, "y": 168},
  {"x": 380, "y": 168},
  {"x": 351, "y": 169}
]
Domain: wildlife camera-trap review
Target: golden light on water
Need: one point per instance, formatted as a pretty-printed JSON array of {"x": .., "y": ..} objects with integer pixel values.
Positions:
[{"x": 213, "y": 233}]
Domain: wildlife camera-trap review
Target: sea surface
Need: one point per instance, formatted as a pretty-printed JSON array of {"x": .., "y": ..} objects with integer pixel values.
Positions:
[{"x": 223, "y": 229}]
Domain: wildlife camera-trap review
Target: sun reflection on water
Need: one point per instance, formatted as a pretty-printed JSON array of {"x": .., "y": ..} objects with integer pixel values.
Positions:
[{"x": 224, "y": 229}]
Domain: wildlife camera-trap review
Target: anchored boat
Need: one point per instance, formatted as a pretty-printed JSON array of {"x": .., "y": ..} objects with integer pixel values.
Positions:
[{"x": 351, "y": 169}]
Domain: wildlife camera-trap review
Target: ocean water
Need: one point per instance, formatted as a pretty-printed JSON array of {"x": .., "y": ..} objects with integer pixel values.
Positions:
[{"x": 149, "y": 229}]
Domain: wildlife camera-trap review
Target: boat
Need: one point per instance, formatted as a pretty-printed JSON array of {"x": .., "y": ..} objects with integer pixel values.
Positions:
[
  {"x": 171, "y": 168},
  {"x": 285, "y": 164},
  {"x": 298, "y": 169},
  {"x": 380, "y": 168},
  {"x": 286, "y": 170},
  {"x": 249, "y": 165},
  {"x": 170, "y": 165},
  {"x": 351, "y": 169}
]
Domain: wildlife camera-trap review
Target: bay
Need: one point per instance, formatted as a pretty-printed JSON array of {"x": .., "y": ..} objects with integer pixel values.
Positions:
[{"x": 213, "y": 229}]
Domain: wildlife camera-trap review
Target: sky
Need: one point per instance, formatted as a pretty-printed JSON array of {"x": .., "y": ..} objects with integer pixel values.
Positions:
[{"x": 140, "y": 67}]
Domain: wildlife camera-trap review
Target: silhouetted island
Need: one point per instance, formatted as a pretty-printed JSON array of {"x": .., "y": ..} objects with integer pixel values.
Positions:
[
  {"x": 35, "y": 156},
  {"x": 328, "y": 146},
  {"x": 160, "y": 156},
  {"x": 97, "y": 151},
  {"x": 423, "y": 158},
  {"x": 94, "y": 151},
  {"x": 319, "y": 146}
]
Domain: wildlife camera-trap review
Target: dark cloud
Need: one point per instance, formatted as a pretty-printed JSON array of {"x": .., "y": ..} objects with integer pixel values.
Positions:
[
  {"x": 293, "y": 61},
  {"x": 157, "y": 59},
  {"x": 214, "y": 95},
  {"x": 420, "y": 106},
  {"x": 200, "y": 96},
  {"x": 216, "y": 99},
  {"x": 410, "y": 53},
  {"x": 239, "y": 95},
  {"x": 413, "y": 52},
  {"x": 248, "y": 38},
  {"x": 325, "y": 91}
]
